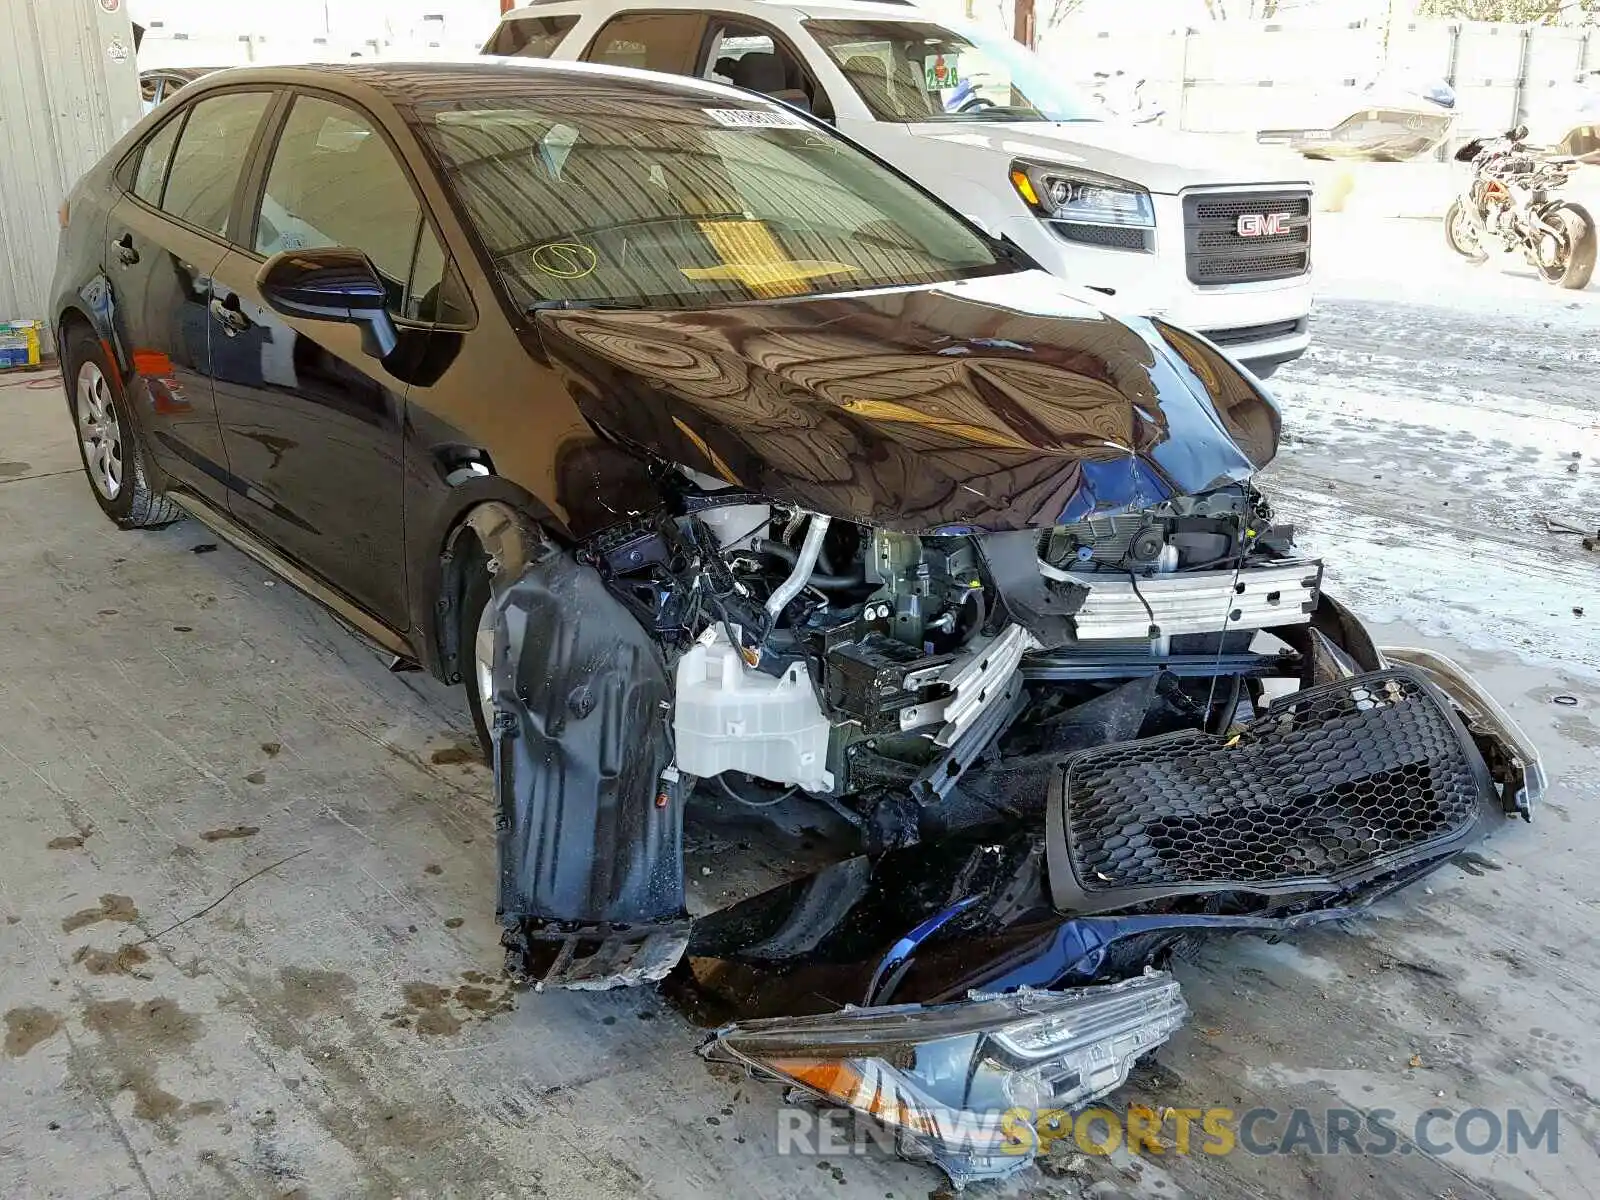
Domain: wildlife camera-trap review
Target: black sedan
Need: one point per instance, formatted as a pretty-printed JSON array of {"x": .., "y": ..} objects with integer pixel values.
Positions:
[{"x": 723, "y": 464}]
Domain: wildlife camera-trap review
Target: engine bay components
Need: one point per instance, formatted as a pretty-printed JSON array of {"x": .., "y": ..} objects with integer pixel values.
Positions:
[
  {"x": 730, "y": 717},
  {"x": 1198, "y": 601},
  {"x": 972, "y": 683},
  {"x": 920, "y": 682}
]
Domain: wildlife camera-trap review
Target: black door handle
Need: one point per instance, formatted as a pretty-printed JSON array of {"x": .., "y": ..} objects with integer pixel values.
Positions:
[
  {"x": 126, "y": 254},
  {"x": 226, "y": 312}
]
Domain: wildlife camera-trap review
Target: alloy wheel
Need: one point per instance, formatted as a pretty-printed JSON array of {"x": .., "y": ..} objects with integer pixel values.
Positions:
[{"x": 100, "y": 431}]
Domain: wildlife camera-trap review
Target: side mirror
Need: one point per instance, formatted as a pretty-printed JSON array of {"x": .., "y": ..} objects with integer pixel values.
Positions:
[{"x": 331, "y": 284}]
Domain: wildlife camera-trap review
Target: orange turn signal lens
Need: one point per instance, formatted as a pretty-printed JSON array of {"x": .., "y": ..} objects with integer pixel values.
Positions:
[
  {"x": 1024, "y": 186},
  {"x": 845, "y": 1082}
]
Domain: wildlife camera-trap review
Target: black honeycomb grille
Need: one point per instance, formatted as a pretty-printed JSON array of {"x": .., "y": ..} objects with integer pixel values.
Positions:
[
  {"x": 1333, "y": 782},
  {"x": 1117, "y": 237}
]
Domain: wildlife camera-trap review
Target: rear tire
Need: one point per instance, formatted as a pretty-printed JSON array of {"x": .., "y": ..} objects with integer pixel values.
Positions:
[
  {"x": 1458, "y": 233},
  {"x": 114, "y": 458},
  {"x": 1574, "y": 270}
]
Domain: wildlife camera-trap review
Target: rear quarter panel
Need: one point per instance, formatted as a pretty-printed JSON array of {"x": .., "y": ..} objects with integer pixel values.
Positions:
[{"x": 80, "y": 285}]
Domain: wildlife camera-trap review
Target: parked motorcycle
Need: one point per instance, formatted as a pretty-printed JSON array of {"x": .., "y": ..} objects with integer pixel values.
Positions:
[{"x": 1508, "y": 205}]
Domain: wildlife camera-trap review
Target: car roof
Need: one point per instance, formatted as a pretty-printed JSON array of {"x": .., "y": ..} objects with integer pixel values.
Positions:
[
  {"x": 408, "y": 84},
  {"x": 838, "y": 10}
]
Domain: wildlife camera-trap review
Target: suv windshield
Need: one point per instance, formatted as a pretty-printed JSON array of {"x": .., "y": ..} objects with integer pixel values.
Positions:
[
  {"x": 649, "y": 199},
  {"x": 917, "y": 71}
]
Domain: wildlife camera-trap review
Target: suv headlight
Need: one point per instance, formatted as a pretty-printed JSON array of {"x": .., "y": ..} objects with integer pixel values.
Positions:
[{"x": 1079, "y": 198}]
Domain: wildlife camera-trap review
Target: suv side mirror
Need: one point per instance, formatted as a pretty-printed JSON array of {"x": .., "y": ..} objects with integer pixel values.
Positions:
[{"x": 331, "y": 284}]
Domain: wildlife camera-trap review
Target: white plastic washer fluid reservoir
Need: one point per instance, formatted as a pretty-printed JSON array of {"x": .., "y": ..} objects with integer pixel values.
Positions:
[{"x": 732, "y": 718}]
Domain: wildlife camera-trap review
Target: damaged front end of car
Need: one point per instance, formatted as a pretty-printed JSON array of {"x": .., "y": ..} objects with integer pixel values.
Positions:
[{"x": 1054, "y": 661}]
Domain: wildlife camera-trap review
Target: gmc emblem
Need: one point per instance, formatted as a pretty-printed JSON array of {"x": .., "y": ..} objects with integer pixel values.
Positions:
[{"x": 1255, "y": 225}]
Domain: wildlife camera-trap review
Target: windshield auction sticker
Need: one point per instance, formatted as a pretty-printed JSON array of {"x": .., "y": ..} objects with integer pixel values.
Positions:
[{"x": 755, "y": 118}]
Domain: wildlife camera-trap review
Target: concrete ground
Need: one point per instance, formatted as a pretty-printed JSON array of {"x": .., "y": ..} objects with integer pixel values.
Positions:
[{"x": 246, "y": 936}]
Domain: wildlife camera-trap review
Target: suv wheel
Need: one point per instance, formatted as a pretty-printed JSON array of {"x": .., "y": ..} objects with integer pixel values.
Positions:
[{"x": 113, "y": 457}]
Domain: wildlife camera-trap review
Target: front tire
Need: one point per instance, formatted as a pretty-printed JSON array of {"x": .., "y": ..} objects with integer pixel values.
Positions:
[
  {"x": 476, "y": 655},
  {"x": 114, "y": 459},
  {"x": 1571, "y": 266},
  {"x": 1458, "y": 233}
]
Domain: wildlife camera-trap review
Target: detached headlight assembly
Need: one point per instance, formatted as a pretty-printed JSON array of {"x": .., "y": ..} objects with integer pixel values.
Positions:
[
  {"x": 1080, "y": 202},
  {"x": 968, "y": 1083}
]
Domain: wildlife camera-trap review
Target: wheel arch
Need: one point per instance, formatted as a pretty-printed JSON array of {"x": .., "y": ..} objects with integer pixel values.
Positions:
[
  {"x": 487, "y": 515},
  {"x": 71, "y": 318}
]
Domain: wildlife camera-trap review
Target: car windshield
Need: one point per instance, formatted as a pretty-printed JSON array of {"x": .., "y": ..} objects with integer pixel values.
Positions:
[
  {"x": 918, "y": 71},
  {"x": 616, "y": 194}
]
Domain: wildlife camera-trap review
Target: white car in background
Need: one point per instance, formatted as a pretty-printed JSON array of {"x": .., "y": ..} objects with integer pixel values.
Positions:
[{"x": 1178, "y": 226}]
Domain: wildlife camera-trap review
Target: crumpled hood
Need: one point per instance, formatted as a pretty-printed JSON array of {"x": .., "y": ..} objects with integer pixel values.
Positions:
[
  {"x": 1162, "y": 160},
  {"x": 995, "y": 403}
]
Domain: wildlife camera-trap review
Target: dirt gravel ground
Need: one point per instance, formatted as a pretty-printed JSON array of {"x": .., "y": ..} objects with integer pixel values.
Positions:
[{"x": 246, "y": 935}]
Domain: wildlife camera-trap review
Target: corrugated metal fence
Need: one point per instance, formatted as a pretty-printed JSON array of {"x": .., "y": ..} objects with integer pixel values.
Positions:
[
  {"x": 1237, "y": 77},
  {"x": 69, "y": 88}
]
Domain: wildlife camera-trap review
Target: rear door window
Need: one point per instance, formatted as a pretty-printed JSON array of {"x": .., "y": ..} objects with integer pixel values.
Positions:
[
  {"x": 210, "y": 158},
  {"x": 665, "y": 42},
  {"x": 153, "y": 159},
  {"x": 530, "y": 37}
]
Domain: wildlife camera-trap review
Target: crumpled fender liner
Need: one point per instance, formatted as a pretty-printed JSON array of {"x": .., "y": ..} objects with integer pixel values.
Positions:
[{"x": 590, "y": 834}]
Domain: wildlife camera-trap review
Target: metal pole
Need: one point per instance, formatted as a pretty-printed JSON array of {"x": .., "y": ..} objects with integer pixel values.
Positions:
[
  {"x": 1452, "y": 63},
  {"x": 1183, "y": 76},
  {"x": 1522, "y": 76}
]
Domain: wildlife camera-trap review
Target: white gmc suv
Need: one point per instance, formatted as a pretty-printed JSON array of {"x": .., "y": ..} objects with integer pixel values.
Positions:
[{"x": 1166, "y": 224}]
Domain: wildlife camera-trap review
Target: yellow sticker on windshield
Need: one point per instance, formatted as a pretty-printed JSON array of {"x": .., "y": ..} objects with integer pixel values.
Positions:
[{"x": 753, "y": 257}]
